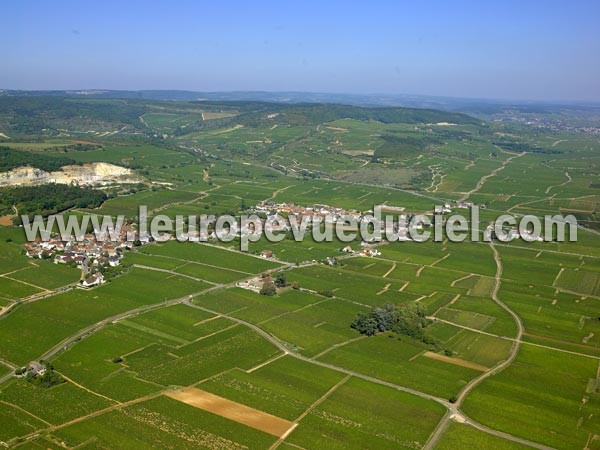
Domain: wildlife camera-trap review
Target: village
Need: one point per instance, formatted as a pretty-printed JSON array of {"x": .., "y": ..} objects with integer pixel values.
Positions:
[{"x": 92, "y": 255}]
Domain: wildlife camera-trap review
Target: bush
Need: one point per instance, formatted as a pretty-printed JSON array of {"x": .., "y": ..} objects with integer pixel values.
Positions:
[
  {"x": 281, "y": 281},
  {"x": 49, "y": 379},
  {"x": 408, "y": 319},
  {"x": 268, "y": 288}
]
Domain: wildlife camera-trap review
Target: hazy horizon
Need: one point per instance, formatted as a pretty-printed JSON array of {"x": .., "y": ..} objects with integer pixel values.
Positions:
[{"x": 509, "y": 51}]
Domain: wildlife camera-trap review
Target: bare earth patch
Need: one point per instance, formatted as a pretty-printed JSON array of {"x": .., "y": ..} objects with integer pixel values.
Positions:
[
  {"x": 6, "y": 220},
  {"x": 233, "y": 411},
  {"x": 455, "y": 361}
]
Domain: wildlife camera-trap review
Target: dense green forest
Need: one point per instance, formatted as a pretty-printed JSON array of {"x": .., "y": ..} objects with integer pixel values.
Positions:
[
  {"x": 313, "y": 114},
  {"x": 27, "y": 115},
  {"x": 10, "y": 159},
  {"x": 525, "y": 147},
  {"x": 407, "y": 319},
  {"x": 48, "y": 199},
  {"x": 395, "y": 146}
]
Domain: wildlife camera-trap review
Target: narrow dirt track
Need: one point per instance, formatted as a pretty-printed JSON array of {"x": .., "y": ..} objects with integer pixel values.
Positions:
[
  {"x": 439, "y": 431},
  {"x": 484, "y": 178}
]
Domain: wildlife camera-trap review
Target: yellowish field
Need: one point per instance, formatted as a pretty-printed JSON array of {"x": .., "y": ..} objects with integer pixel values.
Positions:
[
  {"x": 233, "y": 411},
  {"x": 455, "y": 361}
]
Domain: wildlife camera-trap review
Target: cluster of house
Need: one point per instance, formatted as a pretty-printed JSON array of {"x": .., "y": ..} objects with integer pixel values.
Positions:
[
  {"x": 447, "y": 207},
  {"x": 511, "y": 234},
  {"x": 255, "y": 284},
  {"x": 365, "y": 251},
  {"x": 333, "y": 214},
  {"x": 266, "y": 254},
  {"x": 325, "y": 213},
  {"x": 33, "y": 369},
  {"x": 36, "y": 368},
  {"x": 90, "y": 254}
]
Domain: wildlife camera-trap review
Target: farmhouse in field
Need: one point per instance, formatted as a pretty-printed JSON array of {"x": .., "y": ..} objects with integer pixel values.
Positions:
[
  {"x": 36, "y": 368},
  {"x": 254, "y": 284},
  {"x": 372, "y": 252},
  {"x": 93, "y": 280},
  {"x": 465, "y": 204}
]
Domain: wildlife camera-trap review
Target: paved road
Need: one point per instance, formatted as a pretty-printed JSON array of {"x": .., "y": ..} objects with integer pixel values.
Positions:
[
  {"x": 548, "y": 347},
  {"x": 281, "y": 346},
  {"x": 439, "y": 431},
  {"x": 35, "y": 297},
  {"x": 452, "y": 409},
  {"x": 484, "y": 178}
]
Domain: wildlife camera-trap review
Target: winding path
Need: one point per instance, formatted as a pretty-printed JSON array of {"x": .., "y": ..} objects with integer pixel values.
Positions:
[
  {"x": 484, "y": 178},
  {"x": 453, "y": 411},
  {"x": 434, "y": 438}
]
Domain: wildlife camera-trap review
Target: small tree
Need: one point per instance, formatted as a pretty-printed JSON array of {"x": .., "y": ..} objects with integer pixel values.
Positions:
[
  {"x": 280, "y": 280},
  {"x": 268, "y": 288}
]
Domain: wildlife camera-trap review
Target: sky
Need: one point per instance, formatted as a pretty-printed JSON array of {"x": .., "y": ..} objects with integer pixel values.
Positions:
[{"x": 527, "y": 49}]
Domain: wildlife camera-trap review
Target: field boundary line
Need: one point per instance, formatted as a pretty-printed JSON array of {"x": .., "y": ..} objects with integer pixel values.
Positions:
[
  {"x": 214, "y": 333},
  {"x": 548, "y": 347},
  {"x": 15, "y": 271},
  {"x": 555, "y": 282},
  {"x": 412, "y": 358},
  {"x": 302, "y": 308},
  {"x": 336, "y": 346},
  {"x": 266, "y": 363},
  {"x": 25, "y": 411},
  {"x": 156, "y": 269},
  {"x": 91, "y": 415},
  {"x": 453, "y": 284},
  {"x": 197, "y": 262},
  {"x": 42, "y": 289},
  {"x": 455, "y": 361},
  {"x": 153, "y": 332},
  {"x": 440, "y": 260},
  {"x": 80, "y": 386},
  {"x": 320, "y": 400},
  {"x": 231, "y": 410},
  {"x": 385, "y": 275}
]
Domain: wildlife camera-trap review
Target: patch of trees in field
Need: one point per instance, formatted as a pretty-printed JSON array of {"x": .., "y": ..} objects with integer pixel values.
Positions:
[
  {"x": 46, "y": 377},
  {"x": 48, "y": 199},
  {"x": 315, "y": 114},
  {"x": 11, "y": 159},
  {"x": 524, "y": 147},
  {"x": 30, "y": 114},
  {"x": 395, "y": 146},
  {"x": 409, "y": 319},
  {"x": 79, "y": 148},
  {"x": 49, "y": 379},
  {"x": 404, "y": 320}
]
